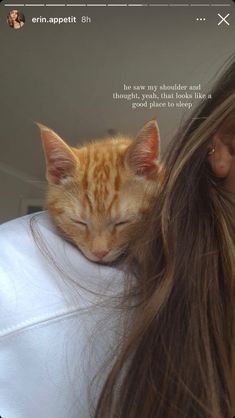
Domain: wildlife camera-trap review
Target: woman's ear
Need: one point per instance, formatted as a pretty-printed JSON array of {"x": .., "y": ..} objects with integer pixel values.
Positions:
[{"x": 220, "y": 157}]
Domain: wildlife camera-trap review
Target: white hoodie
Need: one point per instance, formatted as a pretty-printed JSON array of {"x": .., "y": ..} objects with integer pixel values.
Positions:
[{"x": 54, "y": 334}]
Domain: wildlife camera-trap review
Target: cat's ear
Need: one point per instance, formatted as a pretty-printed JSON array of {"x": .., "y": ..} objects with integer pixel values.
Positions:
[
  {"x": 143, "y": 154},
  {"x": 60, "y": 159}
]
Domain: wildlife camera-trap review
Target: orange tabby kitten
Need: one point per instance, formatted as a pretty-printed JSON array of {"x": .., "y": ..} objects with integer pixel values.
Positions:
[{"x": 97, "y": 191}]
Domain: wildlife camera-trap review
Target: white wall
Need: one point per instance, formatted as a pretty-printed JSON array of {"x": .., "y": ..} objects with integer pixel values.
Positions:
[{"x": 15, "y": 191}]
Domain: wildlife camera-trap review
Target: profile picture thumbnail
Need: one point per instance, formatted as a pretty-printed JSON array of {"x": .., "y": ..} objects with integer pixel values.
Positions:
[{"x": 15, "y": 19}]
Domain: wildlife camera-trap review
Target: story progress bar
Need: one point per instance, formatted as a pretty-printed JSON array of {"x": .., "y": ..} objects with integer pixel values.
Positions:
[{"x": 115, "y": 5}]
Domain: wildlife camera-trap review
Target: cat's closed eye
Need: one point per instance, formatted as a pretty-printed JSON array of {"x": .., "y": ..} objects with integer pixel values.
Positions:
[
  {"x": 78, "y": 222},
  {"x": 82, "y": 223},
  {"x": 122, "y": 223}
]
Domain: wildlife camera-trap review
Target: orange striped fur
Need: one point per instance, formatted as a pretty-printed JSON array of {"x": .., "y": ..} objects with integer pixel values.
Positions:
[{"x": 96, "y": 192}]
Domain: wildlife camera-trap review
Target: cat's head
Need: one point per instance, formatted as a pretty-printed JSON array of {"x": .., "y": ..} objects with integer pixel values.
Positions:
[{"x": 99, "y": 190}]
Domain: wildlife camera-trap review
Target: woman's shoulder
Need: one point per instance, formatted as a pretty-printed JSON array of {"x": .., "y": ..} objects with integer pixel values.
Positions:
[
  {"x": 18, "y": 241},
  {"x": 34, "y": 241},
  {"x": 28, "y": 287},
  {"x": 36, "y": 236},
  {"x": 23, "y": 225},
  {"x": 53, "y": 305},
  {"x": 43, "y": 275}
]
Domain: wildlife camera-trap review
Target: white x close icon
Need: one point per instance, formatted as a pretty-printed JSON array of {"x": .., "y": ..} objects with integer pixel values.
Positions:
[{"x": 223, "y": 19}]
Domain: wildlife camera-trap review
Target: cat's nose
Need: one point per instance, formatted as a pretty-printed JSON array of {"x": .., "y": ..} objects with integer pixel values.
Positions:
[{"x": 100, "y": 254}]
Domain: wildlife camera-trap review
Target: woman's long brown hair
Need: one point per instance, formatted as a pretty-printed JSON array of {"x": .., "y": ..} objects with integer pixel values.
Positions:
[{"x": 177, "y": 359}]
